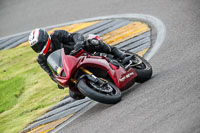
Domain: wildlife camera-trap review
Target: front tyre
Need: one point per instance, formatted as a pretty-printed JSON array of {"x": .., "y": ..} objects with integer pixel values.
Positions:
[
  {"x": 143, "y": 69},
  {"x": 108, "y": 94}
]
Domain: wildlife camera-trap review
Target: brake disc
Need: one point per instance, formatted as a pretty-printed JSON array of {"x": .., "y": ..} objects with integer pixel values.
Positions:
[{"x": 105, "y": 88}]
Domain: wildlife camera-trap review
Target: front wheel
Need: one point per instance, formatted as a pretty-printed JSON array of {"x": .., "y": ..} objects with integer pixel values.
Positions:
[
  {"x": 143, "y": 69},
  {"x": 107, "y": 93}
]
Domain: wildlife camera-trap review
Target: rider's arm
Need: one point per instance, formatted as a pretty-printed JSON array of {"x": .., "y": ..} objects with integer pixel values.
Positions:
[
  {"x": 43, "y": 63},
  {"x": 78, "y": 40},
  {"x": 67, "y": 41},
  {"x": 62, "y": 36},
  {"x": 65, "y": 37}
]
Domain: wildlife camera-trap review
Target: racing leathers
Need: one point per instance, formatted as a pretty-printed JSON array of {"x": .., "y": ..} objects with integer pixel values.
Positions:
[{"x": 71, "y": 43}]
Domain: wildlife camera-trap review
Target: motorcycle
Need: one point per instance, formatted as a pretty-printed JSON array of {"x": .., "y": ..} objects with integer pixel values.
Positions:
[{"x": 99, "y": 77}]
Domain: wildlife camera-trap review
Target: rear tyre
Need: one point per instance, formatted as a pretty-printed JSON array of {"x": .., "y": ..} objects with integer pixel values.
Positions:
[
  {"x": 144, "y": 70},
  {"x": 89, "y": 89}
]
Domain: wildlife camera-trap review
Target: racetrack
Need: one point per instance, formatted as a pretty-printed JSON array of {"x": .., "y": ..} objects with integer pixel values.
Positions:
[{"x": 170, "y": 101}]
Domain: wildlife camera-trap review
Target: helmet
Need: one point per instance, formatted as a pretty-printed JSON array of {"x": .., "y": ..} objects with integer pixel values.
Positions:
[{"x": 39, "y": 41}]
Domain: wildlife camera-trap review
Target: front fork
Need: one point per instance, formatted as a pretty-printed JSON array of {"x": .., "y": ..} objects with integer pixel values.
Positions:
[
  {"x": 91, "y": 76},
  {"x": 83, "y": 70}
]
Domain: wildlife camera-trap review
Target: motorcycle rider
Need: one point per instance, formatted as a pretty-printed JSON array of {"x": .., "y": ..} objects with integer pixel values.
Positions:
[{"x": 44, "y": 44}]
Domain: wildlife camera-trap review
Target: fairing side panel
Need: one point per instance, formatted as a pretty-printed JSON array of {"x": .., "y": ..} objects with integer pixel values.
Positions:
[{"x": 119, "y": 76}]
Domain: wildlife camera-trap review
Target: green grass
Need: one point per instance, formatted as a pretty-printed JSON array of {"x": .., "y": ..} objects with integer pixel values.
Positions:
[
  {"x": 8, "y": 97},
  {"x": 26, "y": 91}
]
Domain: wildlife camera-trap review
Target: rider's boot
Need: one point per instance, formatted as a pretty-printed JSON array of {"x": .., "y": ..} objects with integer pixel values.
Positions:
[
  {"x": 118, "y": 53},
  {"x": 126, "y": 60},
  {"x": 121, "y": 55}
]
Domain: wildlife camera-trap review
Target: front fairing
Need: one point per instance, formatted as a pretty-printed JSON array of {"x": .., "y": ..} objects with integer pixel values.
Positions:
[{"x": 69, "y": 64}]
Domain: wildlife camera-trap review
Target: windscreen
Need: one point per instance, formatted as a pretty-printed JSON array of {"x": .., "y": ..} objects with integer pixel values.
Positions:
[{"x": 54, "y": 60}]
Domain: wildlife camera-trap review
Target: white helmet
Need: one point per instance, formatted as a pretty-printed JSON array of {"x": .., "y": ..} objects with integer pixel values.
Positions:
[{"x": 39, "y": 41}]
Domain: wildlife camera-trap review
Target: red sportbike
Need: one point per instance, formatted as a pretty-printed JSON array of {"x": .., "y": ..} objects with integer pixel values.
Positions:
[{"x": 99, "y": 77}]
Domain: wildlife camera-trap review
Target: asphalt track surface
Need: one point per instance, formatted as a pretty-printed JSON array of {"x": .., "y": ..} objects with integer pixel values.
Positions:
[{"x": 170, "y": 101}]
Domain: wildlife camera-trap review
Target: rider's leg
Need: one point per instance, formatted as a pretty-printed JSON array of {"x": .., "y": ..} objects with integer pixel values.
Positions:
[
  {"x": 99, "y": 46},
  {"x": 116, "y": 52}
]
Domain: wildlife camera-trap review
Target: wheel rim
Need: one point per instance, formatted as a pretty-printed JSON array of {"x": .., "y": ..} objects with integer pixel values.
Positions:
[
  {"x": 105, "y": 89},
  {"x": 140, "y": 66}
]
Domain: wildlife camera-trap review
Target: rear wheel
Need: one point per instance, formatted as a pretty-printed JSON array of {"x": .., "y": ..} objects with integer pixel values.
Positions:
[
  {"x": 143, "y": 69},
  {"x": 106, "y": 93}
]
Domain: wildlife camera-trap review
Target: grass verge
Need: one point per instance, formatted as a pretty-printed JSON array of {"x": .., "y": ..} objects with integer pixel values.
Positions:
[{"x": 26, "y": 91}]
